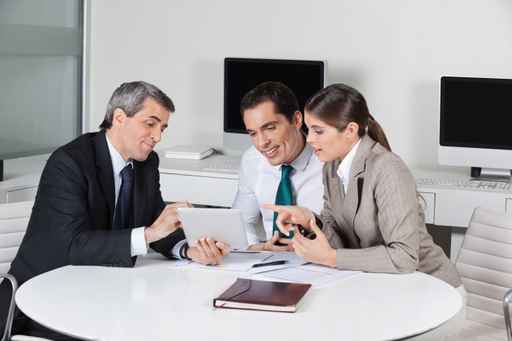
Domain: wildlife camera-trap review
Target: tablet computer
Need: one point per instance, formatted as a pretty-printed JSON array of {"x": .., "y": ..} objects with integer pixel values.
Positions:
[{"x": 224, "y": 225}]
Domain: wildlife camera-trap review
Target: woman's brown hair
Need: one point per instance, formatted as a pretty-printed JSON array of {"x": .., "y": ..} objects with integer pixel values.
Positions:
[{"x": 339, "y": 104}]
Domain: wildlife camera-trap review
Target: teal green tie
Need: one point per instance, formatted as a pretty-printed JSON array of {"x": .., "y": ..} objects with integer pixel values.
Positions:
[{"x": 284, "y": 195}]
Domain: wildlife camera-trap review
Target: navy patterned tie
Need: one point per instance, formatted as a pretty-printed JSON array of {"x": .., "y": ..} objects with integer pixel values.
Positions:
[
  {"x": 284, "y": 196},
  {"x": 123, "y": 216}
]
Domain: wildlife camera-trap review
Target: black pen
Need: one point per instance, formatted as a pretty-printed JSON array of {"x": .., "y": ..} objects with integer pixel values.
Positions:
[{"x": 276, "y": 262}]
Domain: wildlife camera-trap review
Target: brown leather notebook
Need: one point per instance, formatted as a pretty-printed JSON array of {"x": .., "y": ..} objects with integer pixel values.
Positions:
[{"x": 262, "y": 295}]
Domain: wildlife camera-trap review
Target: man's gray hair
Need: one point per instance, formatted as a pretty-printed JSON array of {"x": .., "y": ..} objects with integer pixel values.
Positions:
[{"x": 130, "y": 98}]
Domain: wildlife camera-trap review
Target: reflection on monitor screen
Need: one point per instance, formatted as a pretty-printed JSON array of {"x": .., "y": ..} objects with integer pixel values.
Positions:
[{"x": 304, "y": 77}]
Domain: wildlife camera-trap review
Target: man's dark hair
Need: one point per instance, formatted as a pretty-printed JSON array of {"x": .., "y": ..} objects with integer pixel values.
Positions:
[
  {"x": 282, "y": 96},
  {"x": 130, "y": 98}
]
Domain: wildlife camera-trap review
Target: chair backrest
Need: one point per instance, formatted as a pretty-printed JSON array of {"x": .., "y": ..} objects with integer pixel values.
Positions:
[
  {"x": 507, "y": 301},
  {"x": 13, "y": 224},
  {"x": 485, "y": 265},
  {"x": 6, "y": 336}
]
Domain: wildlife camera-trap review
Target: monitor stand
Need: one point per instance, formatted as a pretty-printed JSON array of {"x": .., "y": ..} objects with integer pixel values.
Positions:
[{"x": 491, "y": 174}]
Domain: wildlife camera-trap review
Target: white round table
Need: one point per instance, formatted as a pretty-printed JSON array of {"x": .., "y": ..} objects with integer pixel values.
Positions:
[{"x": 159, "y": 300}]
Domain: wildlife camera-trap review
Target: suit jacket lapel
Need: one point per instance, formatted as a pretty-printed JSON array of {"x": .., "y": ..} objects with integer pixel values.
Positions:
[
  {"x": 336, "y": 196},
  {"x": 359, "y": 164},
  {"x": 335, "y": 184},
  {"x": 105, "y": 172},
  {"x": 338, "y": 202},
  {"x": 357, "y": 172}
]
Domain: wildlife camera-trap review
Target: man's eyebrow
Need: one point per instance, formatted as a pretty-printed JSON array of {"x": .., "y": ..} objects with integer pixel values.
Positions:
[
  {"x": 159, "y": 120},
  {"x": 264, "y": 125},
  {"x": 155, "y": 118},
  {"x": 268, "y": 124}
]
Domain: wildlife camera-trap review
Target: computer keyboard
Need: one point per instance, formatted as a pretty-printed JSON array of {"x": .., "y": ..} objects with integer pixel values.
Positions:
[
  {"x": 222, "y": 164},
  {"x": 492, "y": 186}
]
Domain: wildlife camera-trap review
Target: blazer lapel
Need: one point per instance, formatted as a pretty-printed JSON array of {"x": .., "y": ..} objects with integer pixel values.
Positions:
[
  {"x": 335, "y": 193},
  {"x": 356, "y": 170},
  {"x": 359, "y": 163},
  {"x": 338, "y": 194},
  {"x": 356, "y": 184},
  {"x": 105, "y": 172}
]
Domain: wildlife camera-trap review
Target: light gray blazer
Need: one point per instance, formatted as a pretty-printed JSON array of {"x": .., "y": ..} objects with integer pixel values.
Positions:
[{"x": 380, "y": 227}]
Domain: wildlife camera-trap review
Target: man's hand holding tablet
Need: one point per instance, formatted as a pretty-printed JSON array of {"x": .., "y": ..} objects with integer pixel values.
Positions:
[
  {"x": 212, "y": 233},
  {"x": 207, "y": 251}
]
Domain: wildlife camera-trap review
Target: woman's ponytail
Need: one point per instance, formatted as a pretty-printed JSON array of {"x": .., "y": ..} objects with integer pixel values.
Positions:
[
  {"x": 376, "y": 132},
  {"x": 340, "y": 104}
]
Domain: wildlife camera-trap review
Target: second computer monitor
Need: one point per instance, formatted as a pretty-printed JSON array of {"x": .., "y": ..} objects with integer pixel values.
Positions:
[
  {"x": 476, "y": 123},
  {"x": 303, "y": 77}
]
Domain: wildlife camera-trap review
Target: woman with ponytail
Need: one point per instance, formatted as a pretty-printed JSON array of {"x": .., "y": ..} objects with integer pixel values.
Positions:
[{"x": 372, "y": 220}]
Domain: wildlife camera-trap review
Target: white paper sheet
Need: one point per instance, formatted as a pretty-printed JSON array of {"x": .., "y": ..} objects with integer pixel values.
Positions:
[
  {"x": 243, "y": 262},
  {"x": 291, "y": 258},
  {"x": 316, "y": 275},
  {"x": 236, "y": 261}
]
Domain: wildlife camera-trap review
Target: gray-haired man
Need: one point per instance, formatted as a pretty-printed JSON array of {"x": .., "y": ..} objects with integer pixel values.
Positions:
[{"x": 99, "y": 200}]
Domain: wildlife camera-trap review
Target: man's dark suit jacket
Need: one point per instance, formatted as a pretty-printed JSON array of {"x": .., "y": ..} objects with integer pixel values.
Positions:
[{"x": 71, "y": 222}]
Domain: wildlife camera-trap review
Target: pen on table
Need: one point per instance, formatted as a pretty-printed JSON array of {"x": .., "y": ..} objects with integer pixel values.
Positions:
[{"x": 277, "y": 262}]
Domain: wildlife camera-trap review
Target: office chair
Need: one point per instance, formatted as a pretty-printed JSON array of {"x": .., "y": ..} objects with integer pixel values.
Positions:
[
  {"x": 485, "y": 266},
  {"x": 13, "y": 224},
  {"x": 507, "y": 300},
  {"x": 10, "y": 315}
]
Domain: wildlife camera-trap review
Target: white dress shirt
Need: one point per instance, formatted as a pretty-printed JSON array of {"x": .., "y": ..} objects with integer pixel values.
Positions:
[
  {"x": 258, "y": 185},
  {"x": 138, "y": 245},
  {"x": 345, "y": 165}
]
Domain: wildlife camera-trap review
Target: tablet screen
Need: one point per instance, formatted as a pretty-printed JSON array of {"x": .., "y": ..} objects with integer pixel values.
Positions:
[{"x": 224, "y": 225}]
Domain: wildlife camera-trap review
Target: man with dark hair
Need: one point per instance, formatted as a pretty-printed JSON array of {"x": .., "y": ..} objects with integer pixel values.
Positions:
[
  {"x": 280, "y": 167},
  {"x": 99, "y": 200}
]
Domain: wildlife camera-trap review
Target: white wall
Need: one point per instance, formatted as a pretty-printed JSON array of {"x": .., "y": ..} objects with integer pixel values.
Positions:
[{"x": 393, "y": 51}]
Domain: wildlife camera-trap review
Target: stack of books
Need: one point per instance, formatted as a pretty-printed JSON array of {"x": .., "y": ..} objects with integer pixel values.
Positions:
[{"x": 191, "y": 152}]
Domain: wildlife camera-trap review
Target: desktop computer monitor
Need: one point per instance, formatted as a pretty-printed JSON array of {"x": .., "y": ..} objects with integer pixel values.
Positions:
[
  {"x": 303, "y": 77},
  {"x": 476, "y": 124}
]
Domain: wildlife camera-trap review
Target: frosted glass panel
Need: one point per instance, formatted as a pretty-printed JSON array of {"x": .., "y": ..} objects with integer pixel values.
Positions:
[
  {"x": 41, "y": 74},
  {"x": 58, "y": 13},
  {"x": 38, "y": 103}
]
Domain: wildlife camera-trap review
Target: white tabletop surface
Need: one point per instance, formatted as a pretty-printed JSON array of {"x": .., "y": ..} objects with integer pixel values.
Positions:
[{"x": 160, "y": 300}]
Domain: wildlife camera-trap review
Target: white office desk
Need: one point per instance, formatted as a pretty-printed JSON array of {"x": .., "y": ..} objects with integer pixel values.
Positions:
[
  {"x": 445, "y": 206},
  {"x": 452, "y": 206},
  {"x": 21, "y": 178},
  {"x": 158, "y": 300},
  {"x": 186, "y": 180}
]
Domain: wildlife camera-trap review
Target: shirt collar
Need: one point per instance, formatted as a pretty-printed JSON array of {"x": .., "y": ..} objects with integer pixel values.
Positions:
[
  {"x": 346, "y": 163},
  {"x": 118, "y": 163},
  {"x": 302, "y": 160}
]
